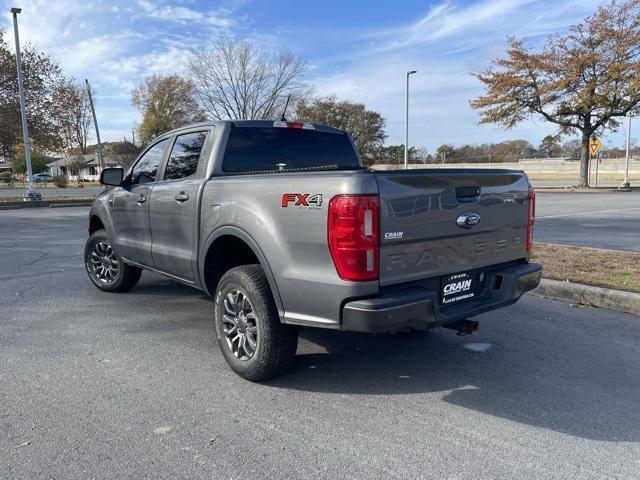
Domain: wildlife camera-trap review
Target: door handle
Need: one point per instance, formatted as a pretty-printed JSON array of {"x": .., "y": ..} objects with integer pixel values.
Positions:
[
  {"x": 182, "y": 197},
  {"x": 142, "y": 199}
]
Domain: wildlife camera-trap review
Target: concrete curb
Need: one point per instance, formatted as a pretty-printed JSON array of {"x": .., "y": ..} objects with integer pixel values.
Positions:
[
  {"x": 75, "y": 202},
  {"x": 569, "y": 189},
  {"x": 598, "y": 297}
]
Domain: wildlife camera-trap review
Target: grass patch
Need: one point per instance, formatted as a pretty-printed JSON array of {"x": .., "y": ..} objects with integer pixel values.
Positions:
[{"x": 613, "y": 269}]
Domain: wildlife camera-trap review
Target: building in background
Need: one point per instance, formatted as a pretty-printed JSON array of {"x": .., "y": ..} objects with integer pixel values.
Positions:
[{"x": 90, "y": 169}]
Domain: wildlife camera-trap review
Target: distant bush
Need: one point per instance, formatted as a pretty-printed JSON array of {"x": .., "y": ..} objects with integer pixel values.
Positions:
[
  {"x": 60, "y": 181},
  {"x": 6, "y": 177}
]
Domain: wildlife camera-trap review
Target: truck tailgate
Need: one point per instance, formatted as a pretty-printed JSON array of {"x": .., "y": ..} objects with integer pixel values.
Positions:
[{"x": 419, "y": 215}]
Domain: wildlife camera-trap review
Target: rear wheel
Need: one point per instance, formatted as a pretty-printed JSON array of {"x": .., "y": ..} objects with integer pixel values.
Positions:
[
  {"x": 106, "y": 269},
  {"x": 253, "y": 341}
]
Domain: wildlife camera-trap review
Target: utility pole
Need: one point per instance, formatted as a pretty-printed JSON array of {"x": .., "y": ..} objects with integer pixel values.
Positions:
[
  {"x": 95, "y": 122},
  {"x": 31, "y": 193},
  {"x": 406, "y": 122},
  {"x": 625, "y": 183},
  {"x": 133, "y": 137}
]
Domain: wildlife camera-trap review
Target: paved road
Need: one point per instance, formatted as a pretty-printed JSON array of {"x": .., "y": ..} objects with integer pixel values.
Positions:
[
  {"x": 569, "y": 183},
  {"x": 132, "y": 385},
  {"x": 601, "y": 220},
  {"x": 50, "y": 192}
]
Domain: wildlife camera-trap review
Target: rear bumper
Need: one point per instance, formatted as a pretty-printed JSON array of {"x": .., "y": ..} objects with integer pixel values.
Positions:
[{"x": 419, "y": 308}]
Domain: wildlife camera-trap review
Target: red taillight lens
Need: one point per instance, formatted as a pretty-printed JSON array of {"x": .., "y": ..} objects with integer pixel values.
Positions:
[
  {"x": 284, "y": 124},
  {"x": 353, "y": 234},
  {"x": 532, "y": 217}
]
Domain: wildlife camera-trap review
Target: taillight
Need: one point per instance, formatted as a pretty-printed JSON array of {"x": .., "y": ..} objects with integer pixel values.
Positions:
[
  {"x": 531, "y": 217},
  {"x": 353, "y": 234}
]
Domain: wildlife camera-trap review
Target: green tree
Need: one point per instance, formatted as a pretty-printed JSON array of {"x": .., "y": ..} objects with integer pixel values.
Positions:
[
  {"x": 38, "y": 161},
  {"x": 511, "y": 150},
  {"x": 583, "y": 81},
  {"x": 444, "y": 153},
  {"x": 549, "y": 146},
  {"x": 44, "y": 85},
  {"x": 394, "y": 155},
  {"x": 166, "y": 102},
  {"x": 366, "y": 127}
]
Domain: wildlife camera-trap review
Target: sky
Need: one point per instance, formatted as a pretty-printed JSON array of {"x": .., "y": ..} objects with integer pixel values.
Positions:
[{"x": 358, "y": 50}]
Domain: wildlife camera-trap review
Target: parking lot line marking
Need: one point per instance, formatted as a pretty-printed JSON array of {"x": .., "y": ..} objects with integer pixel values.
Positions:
[{"x": 589, "y": 213}]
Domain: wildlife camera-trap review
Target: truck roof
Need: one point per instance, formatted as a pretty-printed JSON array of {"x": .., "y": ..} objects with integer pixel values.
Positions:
[{"x": 248, "y": 123}]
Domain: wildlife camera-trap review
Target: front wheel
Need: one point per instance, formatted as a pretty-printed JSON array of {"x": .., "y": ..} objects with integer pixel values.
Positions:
[
  {"x": 106, "y": 269},
  {"x": 253, "y": 341}
]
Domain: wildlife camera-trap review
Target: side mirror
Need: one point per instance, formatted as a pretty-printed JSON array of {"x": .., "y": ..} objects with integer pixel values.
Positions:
[{"x": 112, "y": 176}]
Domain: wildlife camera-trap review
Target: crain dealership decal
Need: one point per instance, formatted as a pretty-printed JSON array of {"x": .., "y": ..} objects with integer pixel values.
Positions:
[
  {"x": 393, "y": 235},
  {"x": 313, "y": 200},
  {"x": 457, "y": 287}
]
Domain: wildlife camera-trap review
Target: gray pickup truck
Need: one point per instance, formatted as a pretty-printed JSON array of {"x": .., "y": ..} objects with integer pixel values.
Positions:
[{"x": 284, "y": 227}]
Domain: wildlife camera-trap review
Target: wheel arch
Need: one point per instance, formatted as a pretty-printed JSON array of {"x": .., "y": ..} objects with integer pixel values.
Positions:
[
  {"x": 95, "y": 223},
  {"x": 232, "y": 232}
]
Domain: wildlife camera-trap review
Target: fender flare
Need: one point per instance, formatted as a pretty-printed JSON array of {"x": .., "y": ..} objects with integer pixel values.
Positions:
[
  {"x": 104, "y": 218},
  {"x": 253, "y": 245}
]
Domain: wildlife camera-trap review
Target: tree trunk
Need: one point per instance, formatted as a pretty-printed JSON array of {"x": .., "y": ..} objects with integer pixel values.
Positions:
[{"x": 584, "y": 159}]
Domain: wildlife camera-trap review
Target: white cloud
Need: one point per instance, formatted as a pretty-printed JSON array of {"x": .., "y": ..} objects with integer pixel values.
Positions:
[
  {"x": 445, "y": 46},
  {"x": 183, "y": 15},
  {"x": 115, "y": 43}
]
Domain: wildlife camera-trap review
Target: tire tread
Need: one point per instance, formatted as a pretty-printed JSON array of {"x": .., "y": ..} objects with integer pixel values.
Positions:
[{"x": 279, "y": 343}]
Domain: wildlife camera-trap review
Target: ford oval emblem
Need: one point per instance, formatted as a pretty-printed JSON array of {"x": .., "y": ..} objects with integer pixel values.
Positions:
[{"x": 468, "y": 220}]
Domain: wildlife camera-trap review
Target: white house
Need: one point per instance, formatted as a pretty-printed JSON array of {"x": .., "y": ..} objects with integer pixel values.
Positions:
[{"x": 91, "y": 170}]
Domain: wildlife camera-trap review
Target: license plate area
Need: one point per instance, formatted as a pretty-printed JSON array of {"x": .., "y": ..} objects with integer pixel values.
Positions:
[{"x": 458, "y": 287}]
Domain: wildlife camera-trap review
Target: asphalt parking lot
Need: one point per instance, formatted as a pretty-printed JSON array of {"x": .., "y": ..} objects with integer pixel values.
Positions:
[
  {"x": 601, "y": 220},
  {"x": 98, "y": 385}
]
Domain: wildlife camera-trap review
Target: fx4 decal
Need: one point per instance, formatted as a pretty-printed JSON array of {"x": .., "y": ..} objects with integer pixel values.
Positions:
[{"x": 302, "y": 199}]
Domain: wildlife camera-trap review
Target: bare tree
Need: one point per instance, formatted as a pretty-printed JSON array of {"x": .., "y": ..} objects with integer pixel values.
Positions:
[
  {"x": 237, "y": 80},
  {"x": 75, "y": 116}
]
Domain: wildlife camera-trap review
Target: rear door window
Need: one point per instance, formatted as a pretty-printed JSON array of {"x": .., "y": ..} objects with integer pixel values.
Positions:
[
  {"x": 185, "y": 155},
  {"x": 256, "y": 149}
]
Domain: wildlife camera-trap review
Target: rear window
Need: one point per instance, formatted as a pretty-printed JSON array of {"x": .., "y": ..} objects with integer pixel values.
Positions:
[{"x": 252, "y": 149}]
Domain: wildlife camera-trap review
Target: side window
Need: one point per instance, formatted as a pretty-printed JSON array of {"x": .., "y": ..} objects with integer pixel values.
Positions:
[
  {"x": 147, "y": 167},
  {"x": 185, "y": 154}
]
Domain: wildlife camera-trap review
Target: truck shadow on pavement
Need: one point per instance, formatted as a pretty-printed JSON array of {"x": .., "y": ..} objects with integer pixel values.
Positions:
[
  {"x": 575, "y": 375},
  {"x": 517, "y": 382}
]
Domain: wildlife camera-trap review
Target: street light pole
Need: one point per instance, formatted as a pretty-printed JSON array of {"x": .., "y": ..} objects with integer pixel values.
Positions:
[
  {"x": 31, "y": 193},
  {"x": 95, "y": 123},
  {"x": 626, "y": 183},
  {"x": 406, "y": 122}
]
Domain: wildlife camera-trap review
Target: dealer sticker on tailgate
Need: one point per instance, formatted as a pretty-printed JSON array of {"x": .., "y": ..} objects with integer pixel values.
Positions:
[{"x": 458, "y": 287}]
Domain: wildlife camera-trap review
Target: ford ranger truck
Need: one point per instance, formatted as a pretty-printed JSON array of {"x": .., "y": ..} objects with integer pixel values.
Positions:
[{"x": 283, "y": 226}]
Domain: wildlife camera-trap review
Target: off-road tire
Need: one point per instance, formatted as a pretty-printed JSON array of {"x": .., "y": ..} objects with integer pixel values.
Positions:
[
  {"x": 125, "y": 278},
  {"x": 276, "y": 343}
]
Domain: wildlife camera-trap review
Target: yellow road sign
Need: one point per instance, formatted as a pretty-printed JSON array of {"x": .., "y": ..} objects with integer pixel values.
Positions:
[{"x": 594, "y": 146}]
